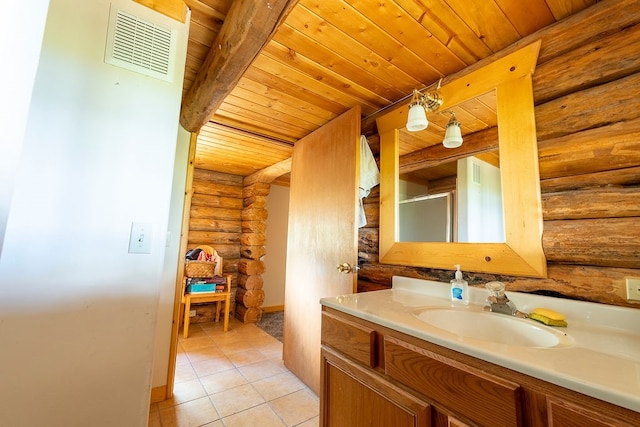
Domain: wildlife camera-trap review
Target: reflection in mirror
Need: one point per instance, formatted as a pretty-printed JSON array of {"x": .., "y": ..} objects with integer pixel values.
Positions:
[
  {"x": 456, "y": 201},
  {"x": 426, "y": 218},
  {"x": 518, "y": 251},
  {"x": 460, "y": 201}
]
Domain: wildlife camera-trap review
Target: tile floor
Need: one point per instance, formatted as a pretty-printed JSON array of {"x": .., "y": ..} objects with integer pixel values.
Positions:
[{"x": 234, "y": 379}]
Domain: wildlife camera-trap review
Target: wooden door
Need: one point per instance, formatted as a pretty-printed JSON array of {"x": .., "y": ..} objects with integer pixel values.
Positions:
[{"x": 322, "y": 234}]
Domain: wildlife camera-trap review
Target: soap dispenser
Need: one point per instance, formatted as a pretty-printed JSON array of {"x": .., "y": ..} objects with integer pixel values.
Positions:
[{"x": 459, "y": 288}]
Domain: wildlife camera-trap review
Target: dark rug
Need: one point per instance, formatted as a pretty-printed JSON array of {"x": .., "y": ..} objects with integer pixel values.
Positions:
[{"x": 272, "y": 323}]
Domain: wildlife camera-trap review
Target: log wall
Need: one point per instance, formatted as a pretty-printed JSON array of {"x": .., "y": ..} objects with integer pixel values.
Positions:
[
  {"x": 587, "y": 105},
  {"x": 250, "y": 295},
  {"x": 216, "y": 220}
]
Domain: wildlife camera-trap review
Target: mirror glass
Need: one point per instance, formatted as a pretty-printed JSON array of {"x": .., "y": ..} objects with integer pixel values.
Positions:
[
  {"x": 452, "y": 200},
  {"x": 494, "y": 104}
]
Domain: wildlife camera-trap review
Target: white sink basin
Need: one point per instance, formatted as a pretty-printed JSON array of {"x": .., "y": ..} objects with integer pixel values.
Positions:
[{"x": 493, "y": 327}]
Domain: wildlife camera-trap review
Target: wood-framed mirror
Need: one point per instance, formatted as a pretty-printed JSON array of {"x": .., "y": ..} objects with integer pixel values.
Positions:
[{"x": 521, "y": 253}]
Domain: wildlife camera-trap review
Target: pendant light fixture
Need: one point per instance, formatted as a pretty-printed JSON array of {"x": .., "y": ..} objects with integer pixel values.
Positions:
[
  {"x": 418, "y": 107},
  {"x": 453, "y": 135},
  {"x": 417, "y": 117}
]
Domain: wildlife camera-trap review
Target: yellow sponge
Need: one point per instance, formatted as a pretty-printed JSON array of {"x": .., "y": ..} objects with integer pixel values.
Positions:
[{"x": 548, "y": 317}]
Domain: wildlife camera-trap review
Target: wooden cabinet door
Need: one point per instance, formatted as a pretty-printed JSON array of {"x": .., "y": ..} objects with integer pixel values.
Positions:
[
  {"x": 565, "y": 414},
  {"x": 353, "y": 396}
]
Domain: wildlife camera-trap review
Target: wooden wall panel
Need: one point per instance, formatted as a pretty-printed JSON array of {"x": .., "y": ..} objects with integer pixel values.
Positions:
[{"x": 588, "y": 126}]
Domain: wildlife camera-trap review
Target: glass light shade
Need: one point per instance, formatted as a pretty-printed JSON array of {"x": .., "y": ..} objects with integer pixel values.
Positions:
[
  {"x": 453, "y": 135},
  {"x": 417, "y": 119}
]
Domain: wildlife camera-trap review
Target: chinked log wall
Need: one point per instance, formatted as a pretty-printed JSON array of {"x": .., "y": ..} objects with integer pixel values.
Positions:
[
  {"x": 587, "y": 105},
  {"x": 216, "y": 220}
]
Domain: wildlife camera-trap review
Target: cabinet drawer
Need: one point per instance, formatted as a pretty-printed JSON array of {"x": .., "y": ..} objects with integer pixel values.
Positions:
[
  {"x": 351, "y": 339},
  {"x": 564, "y": 414},
  {"x": 463, "y": 390}
]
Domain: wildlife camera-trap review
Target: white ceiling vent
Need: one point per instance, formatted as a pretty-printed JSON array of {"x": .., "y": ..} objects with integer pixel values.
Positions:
[
  {"x": 140, "y": 46},
  {"x": 476, "y": 173}
]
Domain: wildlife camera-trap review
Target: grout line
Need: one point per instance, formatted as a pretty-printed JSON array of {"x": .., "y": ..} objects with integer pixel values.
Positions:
[{"x": 262, "y": 349}]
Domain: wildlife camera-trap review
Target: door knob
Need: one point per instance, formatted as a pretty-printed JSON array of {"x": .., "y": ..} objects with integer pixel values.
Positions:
[{"x": 346, "y": 268}]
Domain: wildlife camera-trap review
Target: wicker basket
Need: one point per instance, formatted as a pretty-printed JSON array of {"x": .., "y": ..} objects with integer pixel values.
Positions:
[{"x": 199, "y": 269}]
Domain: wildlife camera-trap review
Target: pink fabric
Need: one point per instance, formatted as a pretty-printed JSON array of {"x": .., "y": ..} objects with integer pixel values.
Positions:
[{"x": 203, "y": 256}]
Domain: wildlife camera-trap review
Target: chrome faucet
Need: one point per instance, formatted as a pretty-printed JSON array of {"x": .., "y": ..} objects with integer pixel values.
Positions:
[{"x": 499, "y": 303}]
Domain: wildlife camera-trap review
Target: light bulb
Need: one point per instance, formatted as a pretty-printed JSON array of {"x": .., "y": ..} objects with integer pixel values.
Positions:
[
  {"x": 417, "y": 119},
  {"x": 453, "y": 135}
]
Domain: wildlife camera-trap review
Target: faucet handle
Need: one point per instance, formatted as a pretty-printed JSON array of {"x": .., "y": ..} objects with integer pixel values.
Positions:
[{"x": 496, "y": 289}]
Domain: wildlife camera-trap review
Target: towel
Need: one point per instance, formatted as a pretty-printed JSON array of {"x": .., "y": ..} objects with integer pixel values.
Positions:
[{"x": 369, "y": 177}]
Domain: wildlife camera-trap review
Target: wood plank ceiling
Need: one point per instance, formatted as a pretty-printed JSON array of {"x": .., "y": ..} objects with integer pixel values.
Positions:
[{"x": 327, "y": 56}]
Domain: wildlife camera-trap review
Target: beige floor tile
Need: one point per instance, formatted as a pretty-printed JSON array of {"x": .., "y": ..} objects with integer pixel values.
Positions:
[
  {"x": 184, "y": 373},
  {"x": 196, "y": 342},
  {"x": 181, "y": 356},
  {"x": 184, "y": 392},
  {"x": 195, "y": 330},
  {"x": 203, "y": 353},
  {"x": 261, "y": 370},
  {"x": 271, "y": 349},
  {"x": 278, "y": 385},
  {"x": 233, "y": 323},
  {"x": 262, "y": 416},
  {"x": 222, "y": 339},
  {"x": 188, "y": 390},
  {"x": 236, "y": 400},
  {"x": 313, "y": 422},
  {"x": 264, "y": 340},
  {"x": 214, "y": 372},
  {"x": 189, "y": 414},
  {"x": 222, "y": 381},
  {"x": 154, "y": 416},
  {"x": 211, "y": 366},
  {"x": 242, "y": 358},
  {"x": 251, "y": 331},
  {"x": 296, "y": 408},
  {"x": 235, "y": 347}
]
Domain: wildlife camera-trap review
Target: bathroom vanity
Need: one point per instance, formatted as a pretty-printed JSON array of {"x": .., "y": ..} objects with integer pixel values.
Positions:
[{"x": 407, "y": 357}]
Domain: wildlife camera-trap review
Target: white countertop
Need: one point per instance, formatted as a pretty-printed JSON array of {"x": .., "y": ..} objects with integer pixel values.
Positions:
[{"x": 601, "y": 358}]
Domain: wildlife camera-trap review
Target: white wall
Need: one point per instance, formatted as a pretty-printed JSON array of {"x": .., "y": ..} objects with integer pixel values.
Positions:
[
  {"x": 480, "y": 214},
  {"x": 77, "y": 311},
  {"x": 164, "y": 322},
  {"x": 276, "y": 258},
  {"x": 16, "y": 86},
  {"x": 409, "y": 190}
]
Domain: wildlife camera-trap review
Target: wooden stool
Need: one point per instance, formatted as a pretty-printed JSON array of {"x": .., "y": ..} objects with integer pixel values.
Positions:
[{"x": 217, "y": 297}]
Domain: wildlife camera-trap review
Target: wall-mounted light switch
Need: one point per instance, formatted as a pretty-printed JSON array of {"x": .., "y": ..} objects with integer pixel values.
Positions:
[
  {"x": 140, "y": 238},
  {"x": 633, "y": 288}
]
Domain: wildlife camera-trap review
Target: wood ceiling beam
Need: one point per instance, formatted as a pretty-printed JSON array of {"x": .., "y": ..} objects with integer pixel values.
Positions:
[
  {"x": 247, "y": 28},
  {"x": 269, "y": 174}
]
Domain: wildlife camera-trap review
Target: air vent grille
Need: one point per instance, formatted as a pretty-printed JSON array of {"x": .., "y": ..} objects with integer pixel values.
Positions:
[
  {"x": 476, "y": 173},
  {"x": 140, "y": 46}
]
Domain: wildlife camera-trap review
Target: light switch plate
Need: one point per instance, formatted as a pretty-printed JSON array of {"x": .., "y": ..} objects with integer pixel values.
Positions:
[
  {"x": 633, "y": 288},
  {"x": 140, "y": 238}
]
